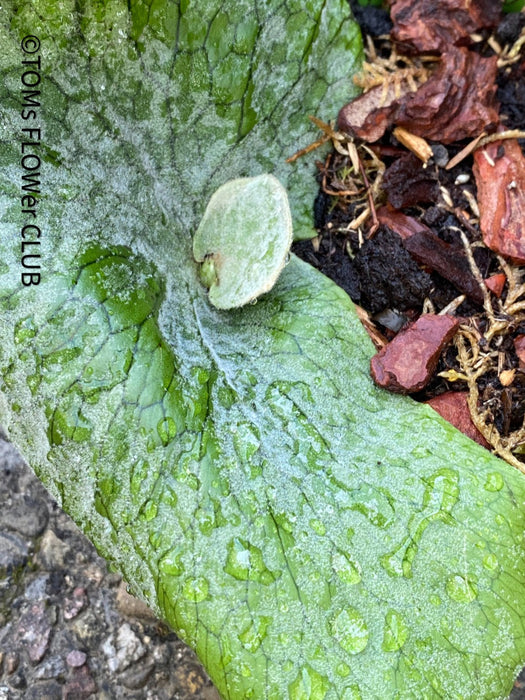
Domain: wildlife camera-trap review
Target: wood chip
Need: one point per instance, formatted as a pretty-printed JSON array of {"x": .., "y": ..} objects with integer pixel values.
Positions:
[
  {"x": 453, "y": 406},
  {"x": 499, "y": 169},
  {"x": 407, "y": 363},
  {"x": 416, "y": 144}
]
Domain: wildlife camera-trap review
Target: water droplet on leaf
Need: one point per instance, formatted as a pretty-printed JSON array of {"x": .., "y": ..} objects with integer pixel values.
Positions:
[
  {"x": 494, "y": 482},
  {"x": 348, "y": 570},
  {"x": 308, "y": 685},
  {"x": 195, "y": 589},
  {"x": 490, "y": 562},
  {"x": 461, "y": 589},
  {"x": 167, "y": 429},
  {"x": 245, "y": 562},
  {"x": 395, "y": 631},
  {"x": 350, "y": 630}
]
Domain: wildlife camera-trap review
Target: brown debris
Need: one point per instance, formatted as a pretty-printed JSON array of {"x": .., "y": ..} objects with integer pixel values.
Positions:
[
  {"x": 453, "y": 406},
  {"x": 434, "y": 25},
  {"x": 450, "y": 262},
  {"x": 407, "y": 363},
  {"x": 446, "y": 94},
  {"x": 407, "y": 182},
  {"x": 519, "y": 346},
  {"x": 375, "y": 336},
  {"x": 499, "y": 169},
  {"x": 429, "y": 250},
  {"x": 416, "y": 144},
  {"x": 507, "y": 377}
]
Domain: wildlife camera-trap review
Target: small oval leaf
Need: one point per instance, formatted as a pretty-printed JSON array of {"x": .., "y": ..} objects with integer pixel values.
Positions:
[{"x": 243, "y": 240}]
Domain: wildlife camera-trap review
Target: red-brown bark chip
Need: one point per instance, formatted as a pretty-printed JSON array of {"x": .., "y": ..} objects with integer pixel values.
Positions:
[
  {"x": 370, "y": 115},
  {"x": 405, "y": 226},
  {"x": 455, "y": 103},
  {"x": 453, "y": 406},
  {"x": 449, "y": 261},
  {"x": 433, "y": 25},
  {"x": 519, "y": 346},
  {"x": 496, "y": 283},
  {"x": 501, "y": 197},
  {"x": 408, "y": 362},
  {"x": 458, "y": 101}
]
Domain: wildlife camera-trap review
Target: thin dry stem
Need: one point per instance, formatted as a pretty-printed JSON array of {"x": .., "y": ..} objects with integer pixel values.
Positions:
[{"x": 502, "y": 447}]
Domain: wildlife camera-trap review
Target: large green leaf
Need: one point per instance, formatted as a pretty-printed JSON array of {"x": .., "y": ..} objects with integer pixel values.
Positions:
[{"x": 310, "y": 535}]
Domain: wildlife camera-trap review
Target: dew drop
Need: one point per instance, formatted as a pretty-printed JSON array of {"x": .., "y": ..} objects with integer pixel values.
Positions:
[
  {"x": 351, "y": 693},
  {"x": 195, "y": 589},
  {"x": 205, "y": 521},
  {"x": 435, "y": 600},
  {"x": 395, "y": 631},
  {"x": 33, "y": 382},
  {"x": 391, "y": 565},
  {"x": 252, "y": 637},
  {"x": 350, "y": 630},
  {"x": 348, "y": 570},
  {"x": 246, "y": 671},
  {"x": 490, "y": 562},
  {"x": 494, "y": 482},
  {"x": 461, "y": 589},
  {"x": 201, "y": 375},
  {"x": 246, "y": 441},
  {"x": 171, "y": 563},
  {"x": 342, "y": 670},
  {"x": 317, "y": 526},
  {"x": 150, "y": 510},
  {"x": 245, "y": 563},
  {"x": 24, "y": 330},
  {"x": 308, "y": 685},
  {"x": 167, "y": 429},
  {"x": 226, "y": 397}
]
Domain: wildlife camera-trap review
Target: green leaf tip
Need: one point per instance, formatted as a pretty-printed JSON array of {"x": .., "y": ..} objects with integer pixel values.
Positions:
[{"x": 243, "y": 240}]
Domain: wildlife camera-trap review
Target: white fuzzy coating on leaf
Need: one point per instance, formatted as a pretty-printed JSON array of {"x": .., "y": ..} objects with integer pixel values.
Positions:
[{"x": 247, "y": 231}]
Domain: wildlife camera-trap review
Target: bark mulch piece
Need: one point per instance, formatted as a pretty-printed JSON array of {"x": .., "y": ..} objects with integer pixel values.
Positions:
[
  {"x": 453, "y": 406},
  {"x": 406, "y": 364}
]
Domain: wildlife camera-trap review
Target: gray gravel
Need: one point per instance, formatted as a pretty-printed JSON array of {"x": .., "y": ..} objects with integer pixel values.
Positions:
[{"x": 68, "y": 628}]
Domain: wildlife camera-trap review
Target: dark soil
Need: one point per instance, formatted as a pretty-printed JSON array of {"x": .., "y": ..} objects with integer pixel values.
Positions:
[
  {"x": 511, "y": 82},
  {"x": 379, "y": 288}
]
